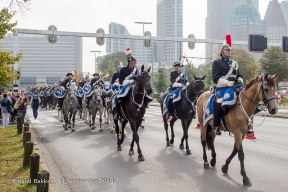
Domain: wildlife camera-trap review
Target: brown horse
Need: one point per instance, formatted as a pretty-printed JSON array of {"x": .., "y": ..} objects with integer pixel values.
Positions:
[
  {"x": 133, "y": 109},
  {"x": 261, "y": 88},
  {"x": 184, "y": 110}
]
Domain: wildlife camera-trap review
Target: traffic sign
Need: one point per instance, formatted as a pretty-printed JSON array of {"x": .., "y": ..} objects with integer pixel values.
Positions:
[
  {"x": 147, "y": 43},
  {"x": 191, "y": 45},
  {"x": 262, "y": 73},
  {"x": 52, "y": 38},
  {"x": 100, "y": 40}
]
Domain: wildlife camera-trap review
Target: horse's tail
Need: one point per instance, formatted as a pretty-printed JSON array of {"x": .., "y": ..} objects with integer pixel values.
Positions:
[{"x": 209, "y": 137}]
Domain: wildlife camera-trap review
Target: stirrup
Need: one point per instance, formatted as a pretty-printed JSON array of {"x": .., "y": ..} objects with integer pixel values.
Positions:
[
  {"x": 217, "y": 130},
  {"x": 167, "y": 116}
]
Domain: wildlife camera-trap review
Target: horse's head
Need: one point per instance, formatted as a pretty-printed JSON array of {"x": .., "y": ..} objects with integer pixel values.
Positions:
[
  {"x": 266, "y": 87},
  {"x": 72, "y": 86},
  {"x": 143, "y": 80},
  {"x": 196, "y": 87}
]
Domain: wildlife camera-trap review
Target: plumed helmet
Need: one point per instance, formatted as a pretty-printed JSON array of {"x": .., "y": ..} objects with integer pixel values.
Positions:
[
  {"x": 227, "y": 44},
  {"x": 95, "y": 74},
  {"x": 129, "y": 56},
  {"x": 69, "y": 74},
  {"x": 177, "y": 64}
]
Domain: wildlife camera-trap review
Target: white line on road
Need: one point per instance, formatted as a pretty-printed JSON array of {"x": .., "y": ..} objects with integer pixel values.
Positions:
[
  {"x": 32, "y": 120},
  {"x": 51, "y": 119}
]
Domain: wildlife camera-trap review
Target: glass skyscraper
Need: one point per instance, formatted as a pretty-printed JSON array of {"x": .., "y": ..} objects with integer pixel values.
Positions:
[{"x": 169, "y": 24}]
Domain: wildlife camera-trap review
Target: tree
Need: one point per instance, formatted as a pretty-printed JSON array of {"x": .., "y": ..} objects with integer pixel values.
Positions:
[
  {"x": 110, "y": 70},
  {"x": 6, "y": 58},
  {"x": 275, "y": 61},
  {"x": 160, "y": 79},
  {"x": 114, "y": 59},
  {"x": 247, "y": 65},
  {"x": 190, "y": 70}
]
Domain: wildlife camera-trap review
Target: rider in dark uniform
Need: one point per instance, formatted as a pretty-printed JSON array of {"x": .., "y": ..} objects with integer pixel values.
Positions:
[
  {"x": 177, "y": 79},
  {"x": 96, "y": 81},
  {"x": 116, "y": 75},
  {"x": 127, "y": 76},
  {"x": 83, "y": 81},
  {"x": 64, "y": 83},
  {"x": 223, "y": 75}
]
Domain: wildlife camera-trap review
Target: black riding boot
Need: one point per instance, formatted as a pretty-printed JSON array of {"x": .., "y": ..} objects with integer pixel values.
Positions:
[
  {"x": 79, "y": 102},
  {"x": 87, "y": 101},
  {"x": 117, "y": 110},
  {"x": 216, "y": 118},
  {"x": 168, "y": 114},
  {"x": 60, "y": 103},
  {"x": 104, "y": 102}
]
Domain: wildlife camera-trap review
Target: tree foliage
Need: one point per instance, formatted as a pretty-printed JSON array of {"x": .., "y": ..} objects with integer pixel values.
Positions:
[
  {"x": 275, "y": 61},
  {"x": 110, "y": 70},
  {"x": 247, "y": 64},
  {"x": 112, "y": 60},
  {"x": 6, "y": 58},
  {"x": 160, "y": 79}
]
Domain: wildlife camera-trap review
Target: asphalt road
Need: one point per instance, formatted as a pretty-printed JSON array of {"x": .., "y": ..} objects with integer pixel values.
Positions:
[{"x": 92, "y": 156}]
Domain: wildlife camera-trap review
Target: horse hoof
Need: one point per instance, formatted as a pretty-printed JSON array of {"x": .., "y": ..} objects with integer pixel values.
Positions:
[
  {"x": 206, "y": 165},
  {"x": 73, "y": 130},
  {"x": 141, "y": 158},
  {"x": 213, "y": 162},
  {"x": 101, "y": 130},
  {"x": 125, "y": 135},
  {"x": 92, "y": 128},
  {"x": 90, "y": 125},
  {"x": 111, "y": 131},
  {"x": 69, "y": 126},
  {"x": 188, "y": 152},
  {"x": 168, "y": 144},
  {"x": 181, "y": 146},
  {"x": 247, "y": 182},
  {"x": 119, "y": 149},
  {"x": 107, "y": 123},
  {"x": 61, "y": 121},
  {"x": 171, "y": 141},
  {"x": 131, "y": 152},
  {"x": 224, "y": 169},
  {"x": 66, "y": 129},
  {"x": 142, "y": 127}
]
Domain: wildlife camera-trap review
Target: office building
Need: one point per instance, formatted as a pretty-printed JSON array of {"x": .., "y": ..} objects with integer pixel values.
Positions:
[
  {"x": 169, "y": 24},
  {"x": 42, "y": 61}
]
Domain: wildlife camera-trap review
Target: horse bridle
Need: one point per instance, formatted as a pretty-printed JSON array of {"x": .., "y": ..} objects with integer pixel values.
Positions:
[
  {"x": 265, "y": 100},
  {"x": 195, "y": 98}
]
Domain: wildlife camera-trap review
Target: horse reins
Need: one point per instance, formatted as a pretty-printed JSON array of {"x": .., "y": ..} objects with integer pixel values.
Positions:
[{"x": 195, "y": 97}]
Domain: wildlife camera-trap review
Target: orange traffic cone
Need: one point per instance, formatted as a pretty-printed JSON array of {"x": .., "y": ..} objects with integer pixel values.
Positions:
[
  {"x": 198, "y": 126},
  {"x": 250, "y": 134}
]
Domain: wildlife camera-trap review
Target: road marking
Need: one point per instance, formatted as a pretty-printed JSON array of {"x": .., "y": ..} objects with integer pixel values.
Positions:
[
  {"x": 39, "y": 126},
  {"x": 32, "y": 120},
  {"x": 51, "y": 119},
  {"x": 153, "y": 113}
]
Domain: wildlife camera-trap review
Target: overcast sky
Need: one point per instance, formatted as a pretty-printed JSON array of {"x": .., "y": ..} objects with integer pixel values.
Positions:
[{"x": 89, "y": 15}]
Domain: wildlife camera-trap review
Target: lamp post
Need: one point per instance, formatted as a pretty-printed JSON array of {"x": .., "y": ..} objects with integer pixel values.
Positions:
[
  {"x": 96, "y": 68},
  {"x": 143, "y": 23}
]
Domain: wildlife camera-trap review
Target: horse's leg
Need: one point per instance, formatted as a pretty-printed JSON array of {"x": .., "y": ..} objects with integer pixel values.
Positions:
[
  {"x": 239, "y": 148},
  {"x": 166, "y": 130},
  {"x": 123, "y": 130},
  {"x": 185, "y": 135},
  {"x": 172, "y": 121},
  {"x": 203, "y": 142},
  {"x": 69, "y": 119},
  {"x": 65, "y": 119},
  {"x": 134, "y": 127},
  {"x": 100, "y": 119},
  {"x": 117, "y": 132},
  {"x": 73, "y": 121},
  {"x": 93, "y": 119}
]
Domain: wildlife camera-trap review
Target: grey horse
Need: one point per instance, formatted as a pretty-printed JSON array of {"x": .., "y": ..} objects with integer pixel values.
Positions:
[
  {"x": 95, "y": 105},
  {"x": 70, "y": 106}
]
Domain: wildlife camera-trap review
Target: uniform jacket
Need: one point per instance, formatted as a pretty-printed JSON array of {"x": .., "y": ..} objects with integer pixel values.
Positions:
[
  {"x": 221, "y": 67},
  {"x": 126, "y": 71},
  {"x": 64, "y": 83},
  {"x": 114, "y": 77},
  {"x": 175, "y": 74},
  {"x": 95, "y": 80}
]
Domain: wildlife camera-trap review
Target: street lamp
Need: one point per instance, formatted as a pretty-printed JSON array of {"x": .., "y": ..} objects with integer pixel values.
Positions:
[
  {"x": 96, "y": 68},
  {"x": 143, "y": 23}
]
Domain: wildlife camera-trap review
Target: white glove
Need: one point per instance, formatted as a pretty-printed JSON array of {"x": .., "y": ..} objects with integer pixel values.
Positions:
[
  {"x": 240, "y": 80},
  {"x": 177, "y": 85},
  {"x": 125, "y": 82},
  {"x": 230, "y": 83}
]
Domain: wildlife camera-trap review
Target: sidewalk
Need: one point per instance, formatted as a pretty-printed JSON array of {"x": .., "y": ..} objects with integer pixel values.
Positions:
[{"x": 282, "y": 111}]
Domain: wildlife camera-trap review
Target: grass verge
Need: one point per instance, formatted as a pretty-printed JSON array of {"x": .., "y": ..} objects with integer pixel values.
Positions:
[{"x": 12, "y": 176}]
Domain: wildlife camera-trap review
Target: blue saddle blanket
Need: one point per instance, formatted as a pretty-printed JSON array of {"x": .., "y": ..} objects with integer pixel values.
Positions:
[
  {"x": 229, "y": 99},
  {"x": 124, "y": 91},
  {"x": 60, "y": 93},
  {"x": 86, "y": 89},
  {"x": 176, "y": 96},
  {"x": 115, "y": 88}
]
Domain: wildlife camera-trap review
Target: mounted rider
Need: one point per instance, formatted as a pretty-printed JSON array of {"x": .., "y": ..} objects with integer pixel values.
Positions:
[
  {"x": 115, "y": 77},
  {"x": 63, "y": 93},
  {"x": 178, "y": 80},
  {"x": 127, "y": 78},
  {"x": 225, "y": 74},
  {"x": 83, "y": 81},
  {"x": 93, "y": 83}
]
